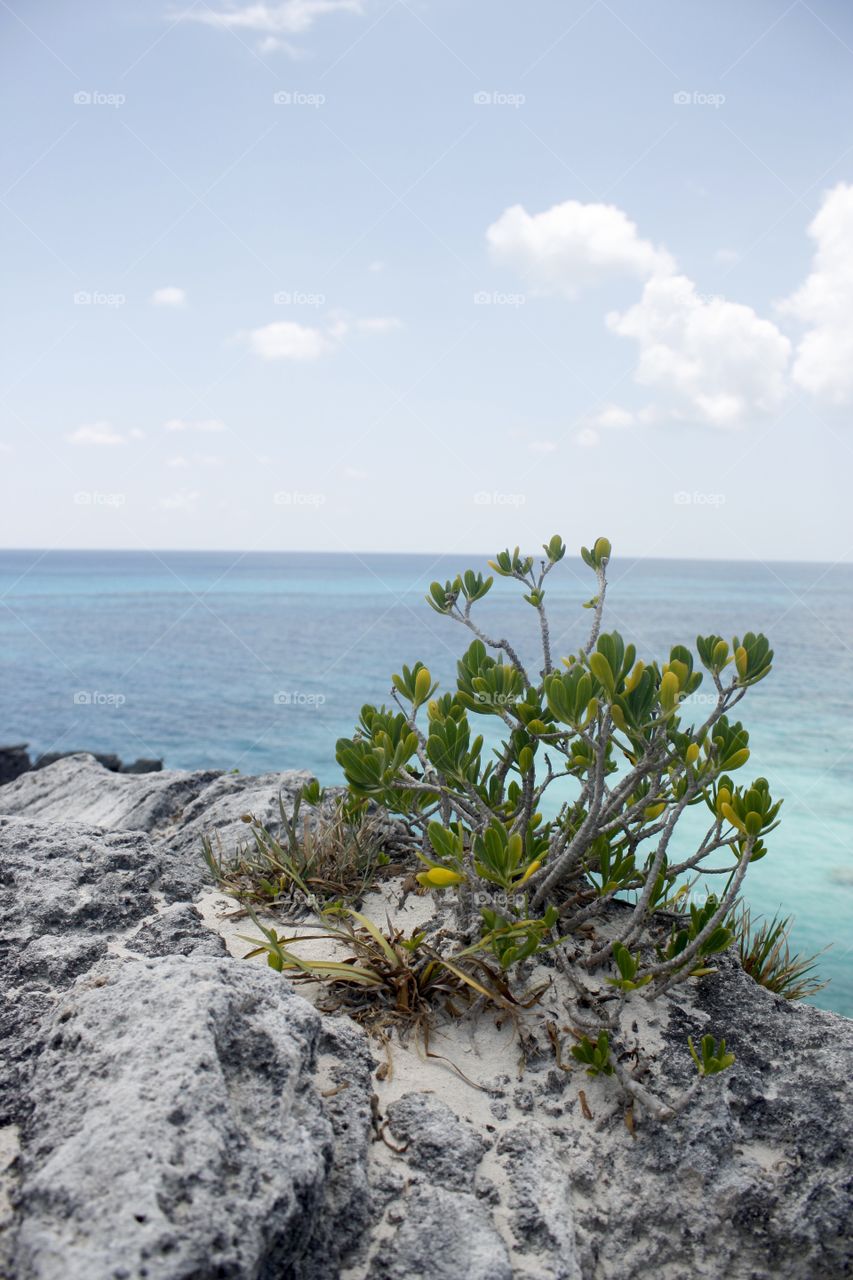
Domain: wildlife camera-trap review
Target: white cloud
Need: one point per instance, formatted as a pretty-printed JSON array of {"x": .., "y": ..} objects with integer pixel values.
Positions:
[
  {"x": 707, "y": 359},
  {"x": 169, "y": 296},
  {"x": 727, "y": 257},
  {"x": 823, "y": 363},
  {"x": 377, "y": 265},
  {"x": 183, "y": 500},
  {"x": 711, "y": 360},
  {"x": 96, "y": 433},
  {"x": 287, "y": 340},
  {"x": 272, "y": 22},
  {"x": 199, "y": 424},
  {"x": 613, "y": 415},
  {"x": 178, "y": 461},
  {"x": 542, "y": 446},
  {"x": 355, "y": 473},
  {"x": 573, "y": 245}
]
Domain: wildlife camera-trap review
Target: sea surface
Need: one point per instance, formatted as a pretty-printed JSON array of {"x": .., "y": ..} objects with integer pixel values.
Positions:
[{"x": 260, "y": 661}]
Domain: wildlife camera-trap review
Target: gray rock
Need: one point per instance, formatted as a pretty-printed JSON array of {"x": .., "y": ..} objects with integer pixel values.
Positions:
[
  {"x": 437, "y": 1142},
  {"x": 64, "y": 879},
  {"x": 178, "y": 930},
  {"x": 177, "y": 1131},
  {"x": 176, "y": 808},
  {"x": 108, "y": 759},
  {"x": 541, "y": 1207},
  {"x": 65, "y": 892},
  {"x": 444, "y": 1235},
  {"x": 349, "y": 1203},
  {"x": 79, "y": 789}
]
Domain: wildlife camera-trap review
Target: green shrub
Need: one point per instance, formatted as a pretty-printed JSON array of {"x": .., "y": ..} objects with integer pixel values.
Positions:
[
  {"x": 609, "y": 723},
  {"x": 611, "y": 729}
]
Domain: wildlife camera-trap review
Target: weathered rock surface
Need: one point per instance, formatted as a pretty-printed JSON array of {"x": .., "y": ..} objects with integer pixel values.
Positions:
[
  {"x": 66, "y": 891},
  {"x": 176, "y": 1129},
  {"x": 184, "y": 1115},
  {"x": 444, "y": 1235},
  {"x": 175, "y": 808},
  {"x": 79, "y": 789}
]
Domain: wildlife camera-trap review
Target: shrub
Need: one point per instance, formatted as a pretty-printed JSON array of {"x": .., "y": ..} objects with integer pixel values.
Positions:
[{"x": 613, "y": 730}]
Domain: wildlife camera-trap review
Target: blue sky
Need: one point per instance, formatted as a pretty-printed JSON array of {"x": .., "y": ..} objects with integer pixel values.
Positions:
[{"x": 431, "y": 276}]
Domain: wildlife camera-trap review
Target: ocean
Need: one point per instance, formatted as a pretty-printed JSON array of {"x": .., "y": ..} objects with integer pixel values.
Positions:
[{"x": 259, "y": 661}]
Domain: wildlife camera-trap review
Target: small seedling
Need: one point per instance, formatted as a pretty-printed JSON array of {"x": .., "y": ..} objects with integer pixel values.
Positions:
[
  {"x": 713, "y": 1059},
  {"x": 595, "y": 1054}
]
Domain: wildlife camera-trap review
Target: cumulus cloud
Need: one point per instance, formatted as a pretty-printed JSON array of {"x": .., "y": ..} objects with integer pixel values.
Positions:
[
  {"x": 573, "y": 246},
  {"x": 712, "y": 360},
  {"x": 823, "y": 363},
  {"x": 272, "y": 23},
  {"x": 96, "y": 433},
  {"x": 287, "y": 340},
  {"x": 169, "y": 296},
  {"x": 707, "y": 359}
]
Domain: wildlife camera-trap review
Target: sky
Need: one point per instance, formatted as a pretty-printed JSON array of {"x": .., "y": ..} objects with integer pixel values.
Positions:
[{"x": 422, "y": 275}]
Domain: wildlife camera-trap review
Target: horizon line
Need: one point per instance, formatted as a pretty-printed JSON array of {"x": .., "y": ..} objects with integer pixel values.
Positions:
[{"x": 360, "y": 554}]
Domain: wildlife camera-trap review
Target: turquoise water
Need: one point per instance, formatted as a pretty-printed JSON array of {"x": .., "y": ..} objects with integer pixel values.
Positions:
[{"x": 260, "y": 661}]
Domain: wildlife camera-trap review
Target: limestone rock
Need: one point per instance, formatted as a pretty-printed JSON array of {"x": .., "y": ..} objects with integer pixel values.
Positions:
[
  {"x": 176, "y": 1130},
  {"x": 79, "y": 789}
]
